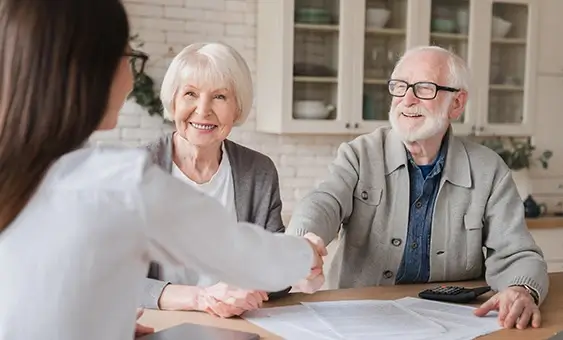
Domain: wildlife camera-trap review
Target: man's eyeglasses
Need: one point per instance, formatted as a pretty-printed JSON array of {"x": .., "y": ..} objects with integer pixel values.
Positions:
[
  {"x": 138, "y": 60},
  {"x": 422, "y": 90}
]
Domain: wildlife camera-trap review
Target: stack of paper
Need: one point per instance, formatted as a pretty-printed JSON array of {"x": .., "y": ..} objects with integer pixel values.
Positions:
[{"x": 407, "y": 318}]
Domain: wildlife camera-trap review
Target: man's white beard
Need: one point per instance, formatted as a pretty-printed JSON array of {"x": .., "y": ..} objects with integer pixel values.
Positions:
[{"x": 434, "y": 122}]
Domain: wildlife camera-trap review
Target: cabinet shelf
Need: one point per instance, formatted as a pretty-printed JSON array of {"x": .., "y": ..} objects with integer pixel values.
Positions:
[
  {"x": 509, "y": 41},
  {"x": 374, "y": 81},
  {"x": 309, "y": 79},
  {"x": 449, "y": 36},
  {"x": 462, "y": 37},
  {"x": 316, "y": 27},
  {"x": 385, "y": 31},
  {"x": 504, "y": 87}
]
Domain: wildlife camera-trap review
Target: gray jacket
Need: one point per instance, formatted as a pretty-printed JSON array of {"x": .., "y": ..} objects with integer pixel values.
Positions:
[
  {"x": 257, "y": 196},
  {"x": 365, "y": 198}
]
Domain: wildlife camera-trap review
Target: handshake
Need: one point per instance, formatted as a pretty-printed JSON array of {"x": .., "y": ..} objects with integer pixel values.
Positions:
[
  {"x": 316, "y": 278},
  {"x": 225, "y": 301}
]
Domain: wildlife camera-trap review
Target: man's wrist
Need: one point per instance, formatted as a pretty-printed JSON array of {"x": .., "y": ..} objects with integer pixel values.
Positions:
[{"x": 533, "y": 293}]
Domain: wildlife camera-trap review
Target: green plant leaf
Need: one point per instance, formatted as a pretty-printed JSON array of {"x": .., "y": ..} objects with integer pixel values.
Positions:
[
  {"x": 144, "y": 89},
  {"x": 517, "y": 154}
]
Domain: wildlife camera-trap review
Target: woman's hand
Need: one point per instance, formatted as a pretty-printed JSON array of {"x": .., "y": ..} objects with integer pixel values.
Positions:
[
  {"x": 141, "y": 330},
  {"x": 226, "y": 301}
]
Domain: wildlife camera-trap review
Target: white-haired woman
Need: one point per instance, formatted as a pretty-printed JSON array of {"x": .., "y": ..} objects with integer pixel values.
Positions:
[{"x": 206, "y": 91}]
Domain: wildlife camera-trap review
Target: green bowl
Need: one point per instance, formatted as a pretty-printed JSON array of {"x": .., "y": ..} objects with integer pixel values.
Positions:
[
  {"x": 313, "y": 16},
  {"x": 443, "y": 25}
]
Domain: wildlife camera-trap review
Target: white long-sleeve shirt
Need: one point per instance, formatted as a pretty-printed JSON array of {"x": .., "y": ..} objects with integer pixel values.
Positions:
[
  {"x": 221, "y": 187},
  {"x": 73, "y": 258}
]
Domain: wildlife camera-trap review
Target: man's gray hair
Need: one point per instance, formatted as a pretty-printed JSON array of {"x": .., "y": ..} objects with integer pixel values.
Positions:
[{"x": 458, "y": 77}]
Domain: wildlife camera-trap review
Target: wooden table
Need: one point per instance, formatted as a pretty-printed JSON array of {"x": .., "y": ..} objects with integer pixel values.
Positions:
[{"x": 552, "y": 310}]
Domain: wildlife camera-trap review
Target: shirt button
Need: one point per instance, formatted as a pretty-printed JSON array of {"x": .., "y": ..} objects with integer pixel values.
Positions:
[
  {"x": 388, "y": 274},
  {"x": 414, "y": 245},
  {"x": 396, "y": 242},
  {"x": 418, "y": 204},
  {"x": 364, "y": 195}
]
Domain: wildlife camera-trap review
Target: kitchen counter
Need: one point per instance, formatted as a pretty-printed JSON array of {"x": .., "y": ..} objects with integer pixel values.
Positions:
[{"x": 545, "y": 222}]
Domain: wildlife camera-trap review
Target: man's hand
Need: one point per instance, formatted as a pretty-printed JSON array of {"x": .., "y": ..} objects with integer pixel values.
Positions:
[
  {"x": 226, "y": 301},
  {"x": 316, "y": 278},
  {"x": 141, "y": 330},
  {"x": 319, "y": 250},
  {"x": 516, "y": 308}
]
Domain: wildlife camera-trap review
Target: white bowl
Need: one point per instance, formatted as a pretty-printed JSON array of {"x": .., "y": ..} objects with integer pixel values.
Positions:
[
  {"x": 500, "y": 27},
  {"x": 377, "y": 17},
  {"x": 312, "y": 109}
]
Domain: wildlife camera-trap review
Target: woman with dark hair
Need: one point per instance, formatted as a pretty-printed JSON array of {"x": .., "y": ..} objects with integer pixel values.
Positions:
[{"x": 79, "y": 224}]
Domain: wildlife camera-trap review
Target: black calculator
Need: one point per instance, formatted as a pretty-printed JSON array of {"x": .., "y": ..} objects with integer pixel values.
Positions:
[{"x": 453, "y": 293}]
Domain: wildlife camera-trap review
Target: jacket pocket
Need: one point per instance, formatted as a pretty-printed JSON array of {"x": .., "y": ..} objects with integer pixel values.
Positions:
[
  {"x": 367, "y": 195},
  {"x": 365, "y": 204},
  {"x": 474, "y": 242}
]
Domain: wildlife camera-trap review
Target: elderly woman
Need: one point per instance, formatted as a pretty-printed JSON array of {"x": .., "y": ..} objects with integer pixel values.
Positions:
[{"x": 206, "y": 91}]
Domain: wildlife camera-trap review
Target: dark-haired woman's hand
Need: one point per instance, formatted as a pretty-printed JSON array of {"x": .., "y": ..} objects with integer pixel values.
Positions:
[{"x": 141, "y": 330}]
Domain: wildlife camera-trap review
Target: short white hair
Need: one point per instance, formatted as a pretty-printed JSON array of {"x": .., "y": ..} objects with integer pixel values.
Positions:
[
  {"x": 209, "y": 64},
  {"x": 459, "y": 75}
]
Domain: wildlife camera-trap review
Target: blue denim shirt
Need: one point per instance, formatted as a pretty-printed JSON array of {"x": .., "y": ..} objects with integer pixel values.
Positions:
[{"x": 424, "y": 184}]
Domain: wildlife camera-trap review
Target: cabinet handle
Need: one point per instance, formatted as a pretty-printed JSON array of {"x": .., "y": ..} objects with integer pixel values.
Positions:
[
  {"x": 347, "y": 125},
  {"x": 356, "y": 125},
  {"x": 481, "y": 128}
]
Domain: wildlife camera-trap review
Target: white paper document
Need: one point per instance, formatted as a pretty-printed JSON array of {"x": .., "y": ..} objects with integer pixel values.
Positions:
[
  {"x": 459, "y": 320},
  {"x": 407, "y": 318},
  {"x": 292, "y": 322},
  {"x": 361, "y": 319}
]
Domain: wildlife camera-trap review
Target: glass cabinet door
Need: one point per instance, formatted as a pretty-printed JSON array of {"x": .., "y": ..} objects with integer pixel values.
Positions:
[
  {"x": 384, "y": 42},
  {"x": 507, "y": 76},
  {"x": 449, "y": 29},
  {"x": 449, "y": 26},
  {"x": 316, "y": 51}
]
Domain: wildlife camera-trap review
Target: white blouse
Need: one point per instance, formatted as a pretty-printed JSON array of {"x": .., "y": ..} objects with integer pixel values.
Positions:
[
  {"x": 73, "y": 259},
  {"x": 221, "y": 187}
]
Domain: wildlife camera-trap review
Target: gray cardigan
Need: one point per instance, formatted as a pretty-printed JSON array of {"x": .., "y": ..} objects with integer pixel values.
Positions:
[
  {"x": 365, "y": 198},
  {"x": 257, "y": 196}
]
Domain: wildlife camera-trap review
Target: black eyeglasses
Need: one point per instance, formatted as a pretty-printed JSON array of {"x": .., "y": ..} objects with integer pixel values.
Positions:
[
  {"x": 422, "y": 90},
  {"x": 138, "y": 60}
]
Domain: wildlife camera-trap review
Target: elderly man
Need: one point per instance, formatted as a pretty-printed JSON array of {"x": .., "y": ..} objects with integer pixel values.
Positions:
[{"x": 416, "y": 204}]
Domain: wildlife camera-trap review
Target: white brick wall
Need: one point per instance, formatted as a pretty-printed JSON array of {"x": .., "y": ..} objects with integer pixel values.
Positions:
[{"x": 166, "y": 26}]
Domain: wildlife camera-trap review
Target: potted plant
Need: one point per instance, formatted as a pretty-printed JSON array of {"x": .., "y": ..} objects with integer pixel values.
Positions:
[
  {"x": 519, "y": 155},
  {"x": 144, "y": 92}
]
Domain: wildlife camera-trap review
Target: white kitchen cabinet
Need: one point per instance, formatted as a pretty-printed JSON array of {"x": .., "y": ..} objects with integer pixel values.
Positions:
[
  {"x": 550, "y": 241},
  {"x": 549, "y": 121},
  {"x": 312, "y": 51},
  {"x": 550, "y": 58},
  {"x": 498, "y": 39},
  {"x": 338, "y": 56}
]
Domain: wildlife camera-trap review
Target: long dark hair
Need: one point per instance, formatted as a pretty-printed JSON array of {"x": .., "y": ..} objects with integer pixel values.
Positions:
[{"x": 58, "y": 59}]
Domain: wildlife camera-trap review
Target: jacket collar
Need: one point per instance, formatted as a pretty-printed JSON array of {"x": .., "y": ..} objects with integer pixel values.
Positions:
[{"x": 457, "y": 167}]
